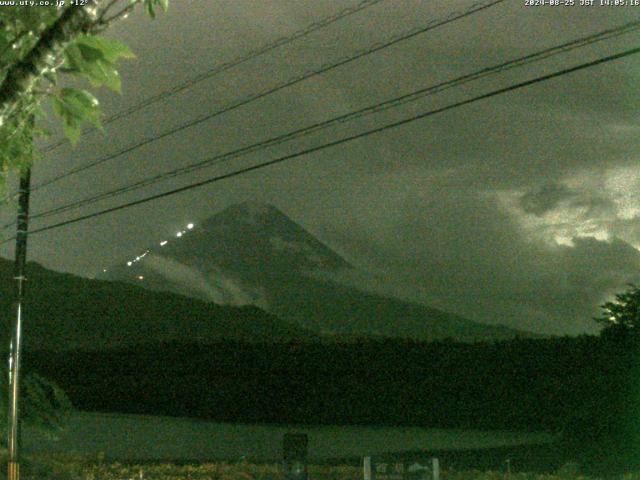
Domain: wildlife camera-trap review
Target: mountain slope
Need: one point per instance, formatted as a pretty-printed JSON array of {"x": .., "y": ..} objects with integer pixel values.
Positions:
[
  {"x": 67, "y": 312},
  {"x": 327, "y": 308},
  {"x": 253, "y": 253}
]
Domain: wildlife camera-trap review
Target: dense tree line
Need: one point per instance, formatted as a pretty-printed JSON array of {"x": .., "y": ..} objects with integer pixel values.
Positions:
[
  {"x": 583, "y": 388},
  {"x": 531, "y": 384},
  {"x": 573, "y": 386}
]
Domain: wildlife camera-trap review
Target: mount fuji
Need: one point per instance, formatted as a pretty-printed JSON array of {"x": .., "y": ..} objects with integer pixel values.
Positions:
[{"x": 252, "y": 253}]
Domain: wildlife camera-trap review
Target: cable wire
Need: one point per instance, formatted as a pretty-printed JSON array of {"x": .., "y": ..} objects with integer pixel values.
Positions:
[
  {"x": 341, "y": 141},
  {"x": 452, "y": 17},
  {"x": 223, "y": 67},
  {"x": 378, "y": 107}
]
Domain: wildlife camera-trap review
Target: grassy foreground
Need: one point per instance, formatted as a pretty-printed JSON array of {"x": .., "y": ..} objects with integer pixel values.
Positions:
[{"x": 79, "y": 468}]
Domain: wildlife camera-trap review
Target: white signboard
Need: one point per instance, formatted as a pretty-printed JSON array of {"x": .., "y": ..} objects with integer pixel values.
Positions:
[{"x": 377, "y": 469}]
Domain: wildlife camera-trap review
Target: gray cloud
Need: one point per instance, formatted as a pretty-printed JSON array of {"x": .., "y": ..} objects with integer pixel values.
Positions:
[
  {"x": 459, "y": 252},
  {"x": 416, "y": 205},
  {"x": 553, "y": 196},
  {"x": 213, "y": 285},
  {"x": 545, "y": 198}
]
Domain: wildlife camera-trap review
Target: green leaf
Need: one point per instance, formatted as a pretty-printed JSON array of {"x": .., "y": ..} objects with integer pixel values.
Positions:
[
  {"x": 74, "y": 107},
  {"x": 70, "y": 123},
  {"x": 151, "y": 10},
  {"x": 94, "y": 58},
  {"x": 16, "y": 142},
  {"x": 90, "y": 54},
  {"x": 111, "y": 50},
  {"x": 102, "y": 73},
  {"x": 73, "y": 58},
  {"x": 151, "y": 5}
]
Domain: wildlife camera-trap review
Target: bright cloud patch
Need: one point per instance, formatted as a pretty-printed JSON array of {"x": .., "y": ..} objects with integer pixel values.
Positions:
[{"x": 599, "y": 206}]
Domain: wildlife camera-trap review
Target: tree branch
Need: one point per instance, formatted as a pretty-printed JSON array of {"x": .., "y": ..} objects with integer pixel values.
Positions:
[
  {"x": 107, "y": 7},
  {"x": 103, "y": 23},
  {"x": 22, "y": 76}
]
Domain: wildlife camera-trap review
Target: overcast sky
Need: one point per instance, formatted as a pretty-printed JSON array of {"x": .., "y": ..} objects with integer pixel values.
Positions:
[{"x": 522, "y": 209}]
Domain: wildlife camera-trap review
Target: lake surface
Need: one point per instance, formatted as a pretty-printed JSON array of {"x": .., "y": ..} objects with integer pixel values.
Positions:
[{"x": 146, "y": 438}]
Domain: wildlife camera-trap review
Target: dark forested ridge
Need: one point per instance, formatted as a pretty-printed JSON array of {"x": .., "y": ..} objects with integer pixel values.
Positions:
[
  {"x": 69, "y": 312},
  {"x": 583, "y": 388},
  {"x": 537, "y": 384}
]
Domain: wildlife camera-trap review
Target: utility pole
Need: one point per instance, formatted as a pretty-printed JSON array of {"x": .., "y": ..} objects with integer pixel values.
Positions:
[{"x": 13, "y": 430}]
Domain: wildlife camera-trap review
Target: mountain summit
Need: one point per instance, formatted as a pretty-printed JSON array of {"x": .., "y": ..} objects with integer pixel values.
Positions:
[
  {"x": 252, "y": 253},
  {"x": 229, "y": 257},
  {"x": 257, "y": 238}
]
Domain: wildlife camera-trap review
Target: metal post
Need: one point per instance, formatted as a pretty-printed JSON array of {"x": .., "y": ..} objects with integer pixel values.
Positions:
[
  {"x": 436, "y": 468},
  {"x": 13, "y": 431},
  {"x": 367, "y": 468}
]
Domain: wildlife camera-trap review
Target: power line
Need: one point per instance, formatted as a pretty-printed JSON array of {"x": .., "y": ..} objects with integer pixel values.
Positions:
[
  {"x": 457, "y": 15},
  {"x": 341, "y": 141},
  {"x": 378, "y": 107},
  {"x": 223, "y": 67}
]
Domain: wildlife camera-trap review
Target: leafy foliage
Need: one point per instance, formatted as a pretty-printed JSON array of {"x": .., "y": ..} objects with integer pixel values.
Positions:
[
  {"x": 20, "y": 29},
  {"x": 43, "y": 403},
  {"x": 603, "y": 433},
  {"x": 74, "y": 107},
  {"x": 88, "y": 56},
  {"x": 151, "y": 6},
  {"x": 94, "y": 58},
  {"x": 621, "y": 317}
]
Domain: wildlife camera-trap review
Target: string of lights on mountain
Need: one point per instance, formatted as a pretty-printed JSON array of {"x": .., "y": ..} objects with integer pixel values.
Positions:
[{"x": 139, "y": 258}]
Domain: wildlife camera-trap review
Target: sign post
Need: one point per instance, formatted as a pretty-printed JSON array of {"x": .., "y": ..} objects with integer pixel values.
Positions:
[
  {"x": 375, "y": 469},
  {"x": 366, "y": 467}
]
